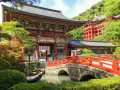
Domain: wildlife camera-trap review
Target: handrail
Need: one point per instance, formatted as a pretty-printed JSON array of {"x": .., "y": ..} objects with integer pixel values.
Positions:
[{"x": 110, "y": 65}]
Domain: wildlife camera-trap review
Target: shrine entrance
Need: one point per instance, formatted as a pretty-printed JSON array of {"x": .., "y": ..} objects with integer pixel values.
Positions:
[{"x": 44, "y": 53}]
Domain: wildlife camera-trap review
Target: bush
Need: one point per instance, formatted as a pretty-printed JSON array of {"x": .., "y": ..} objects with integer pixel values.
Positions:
[
  {"x": 32, "y": 86},
  {"x": 4, "y": 64},
  {"x": 112, "y": 83},
  {"x": 87, "y": 52},
  {"x": 10, "y": 77},
  {"x": 33, "y": 67}
]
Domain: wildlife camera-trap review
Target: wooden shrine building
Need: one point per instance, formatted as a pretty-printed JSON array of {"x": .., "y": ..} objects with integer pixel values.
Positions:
[
  {"x": 94, "y": 27},
  {"x": 47, "y": 30},
  {"x": 97, "y": 47}
]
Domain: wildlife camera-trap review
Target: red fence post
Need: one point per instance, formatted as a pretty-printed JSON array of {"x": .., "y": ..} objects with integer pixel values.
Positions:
[
  {"x": 90, "y": 60},
  {"x": 48, "y": 63},
  {"x": 55, "y": 62},
  {"x": 115, "y": 66},
  {"x": 106, "y": 56},
  {"x": 74, "y": 58}
]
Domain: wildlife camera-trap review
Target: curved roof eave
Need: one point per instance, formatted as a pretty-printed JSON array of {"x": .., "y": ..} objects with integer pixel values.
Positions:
[{"x": 50, "y": 17}]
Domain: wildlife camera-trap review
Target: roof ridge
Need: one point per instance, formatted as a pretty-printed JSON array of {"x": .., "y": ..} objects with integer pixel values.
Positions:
[
  {"x": 44, "y": 8},
  {"x": 90, "y": 40}
]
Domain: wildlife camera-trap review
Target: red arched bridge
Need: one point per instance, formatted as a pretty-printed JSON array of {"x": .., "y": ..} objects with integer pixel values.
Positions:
[{"x": 83, "y": 66}]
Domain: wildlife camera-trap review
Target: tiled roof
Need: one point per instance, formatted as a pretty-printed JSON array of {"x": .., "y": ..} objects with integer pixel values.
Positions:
[
  {"x": 90, "y": 43},
  {"x": 45, "y": 12}
]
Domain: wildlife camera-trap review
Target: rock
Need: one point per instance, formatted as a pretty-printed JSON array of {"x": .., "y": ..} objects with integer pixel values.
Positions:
[{"x": 34, "y": 78}]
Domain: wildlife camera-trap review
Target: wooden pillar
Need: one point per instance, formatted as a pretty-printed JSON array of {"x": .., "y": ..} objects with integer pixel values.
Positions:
[
  {"x": 46, "y": 55},
  {"x": 38, "y": 51},
  {"x": 55, "y": 51},
  {"x": 66, "y": 50},
  {"x": 91, "y": 34},
  {"x": 50, "y": 50},
  {"x": 5, "y": 15}
]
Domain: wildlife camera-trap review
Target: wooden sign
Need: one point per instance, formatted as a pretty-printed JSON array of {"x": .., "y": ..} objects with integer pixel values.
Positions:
[
  {"x": 47, "y": 39},
  {"x": 61, "y": 40},
  {"x": 33, "y": 38}
]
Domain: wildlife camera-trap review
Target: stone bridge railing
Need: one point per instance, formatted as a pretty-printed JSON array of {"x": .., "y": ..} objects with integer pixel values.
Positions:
[{"x": 110, "y": 65}]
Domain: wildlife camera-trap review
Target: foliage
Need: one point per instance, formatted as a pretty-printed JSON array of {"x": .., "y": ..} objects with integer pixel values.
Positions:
[
  {"x": 117, "y": 50},
  {"x": 108, "y": 7},
  {"x": 15, "y": 60},
  {"x": 4, "y": 64},
  {"x": 5, "y": 36},
  {"x": 87, "y": 52},
  {"x": 33, "y": 67},
  {"x": 110, "y": 33},
  {"x": 17, "y": 32},
  {"x": 32, "y": 86},
  {"x": 12, "y": 50},
  {"x": 9, "y": 78},
  {"x": 111, "y": 83},
  {"x": 14, "y": 29},
  {"x": 77, "y": 33},
  {"x": 21, "y": 2},
  {"x": 112, "y": 8},
  {"x": 97, "y": 9}
]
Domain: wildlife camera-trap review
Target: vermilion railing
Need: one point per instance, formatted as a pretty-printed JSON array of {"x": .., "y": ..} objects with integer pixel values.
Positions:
[{"x": 111, "y": 65}]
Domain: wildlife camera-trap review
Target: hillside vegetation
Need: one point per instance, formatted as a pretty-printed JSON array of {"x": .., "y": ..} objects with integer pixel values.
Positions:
[{"x": 97, "y": 9}]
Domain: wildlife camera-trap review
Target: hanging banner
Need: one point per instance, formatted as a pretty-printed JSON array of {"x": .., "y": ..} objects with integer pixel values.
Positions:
[{"x": 36, "y": 55}]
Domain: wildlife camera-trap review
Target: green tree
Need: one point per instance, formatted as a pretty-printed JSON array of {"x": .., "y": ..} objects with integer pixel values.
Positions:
[
  {"x": 13, "y": 29},
  {"x": 21, "y": 2},
  {"x": 19, "y": 39},
  {"x": 97, "y": 9},
  {"x": 112, "y": 8},
  {"x": 111, "y": 33},
  {"x": 77, "y": 33},
  {"x": 12, "y": 50},
  {"x": 87, "y": 52}
]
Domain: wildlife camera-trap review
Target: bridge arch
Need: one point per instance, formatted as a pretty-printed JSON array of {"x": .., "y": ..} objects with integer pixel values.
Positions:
[
  {"x": 87, "y": 77},
  {"x": 63, "y": 72}
]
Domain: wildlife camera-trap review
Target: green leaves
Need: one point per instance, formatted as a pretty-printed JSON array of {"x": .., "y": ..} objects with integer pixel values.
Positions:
[
  {"x": 14, "y": 29},
  {"x": 77, "y": 33},
  {"x": 22, "y": 2},
  {"x": 110, "y": 33},
  {"x": 97, "y": 9},
  {"x": 112, "y": 8}
]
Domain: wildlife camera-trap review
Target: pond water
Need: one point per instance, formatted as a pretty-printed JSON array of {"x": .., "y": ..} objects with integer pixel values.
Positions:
[{"x": 55, "y": 79}]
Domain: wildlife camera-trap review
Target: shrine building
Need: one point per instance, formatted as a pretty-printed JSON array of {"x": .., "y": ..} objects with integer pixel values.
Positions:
[
  {"x": 47, "y": 30},
  {"x": 96, "y": 26}
]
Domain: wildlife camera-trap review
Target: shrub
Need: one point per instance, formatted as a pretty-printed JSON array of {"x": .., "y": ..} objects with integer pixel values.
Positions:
[
  {"x": 33, "y": 67},
  {"x": 111, "y": 83},
  {"x": 32, "y": 86},
  {"x": 10, "y": 77},
  {"x": 87, "y": 52},
  {"x": 4, "y": 64}
]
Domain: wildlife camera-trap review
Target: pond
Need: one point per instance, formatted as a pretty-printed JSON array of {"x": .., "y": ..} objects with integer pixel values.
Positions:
[{"x": 55, "y": 79}]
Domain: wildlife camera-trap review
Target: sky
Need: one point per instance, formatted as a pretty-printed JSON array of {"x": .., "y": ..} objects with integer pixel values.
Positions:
[{"x": 70, "y": 8}]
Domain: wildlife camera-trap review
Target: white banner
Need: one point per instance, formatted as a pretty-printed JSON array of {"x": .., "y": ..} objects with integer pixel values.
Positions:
[
  {"x": 44, "y": 48},
  {"x": 36, "y": 55}
]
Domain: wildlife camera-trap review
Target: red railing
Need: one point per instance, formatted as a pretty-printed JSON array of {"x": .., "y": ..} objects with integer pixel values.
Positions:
[{"x": 111, "y": 65}]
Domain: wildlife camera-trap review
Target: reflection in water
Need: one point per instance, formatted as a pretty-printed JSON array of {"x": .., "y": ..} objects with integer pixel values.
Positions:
[{"x": 55, "y": 79}]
